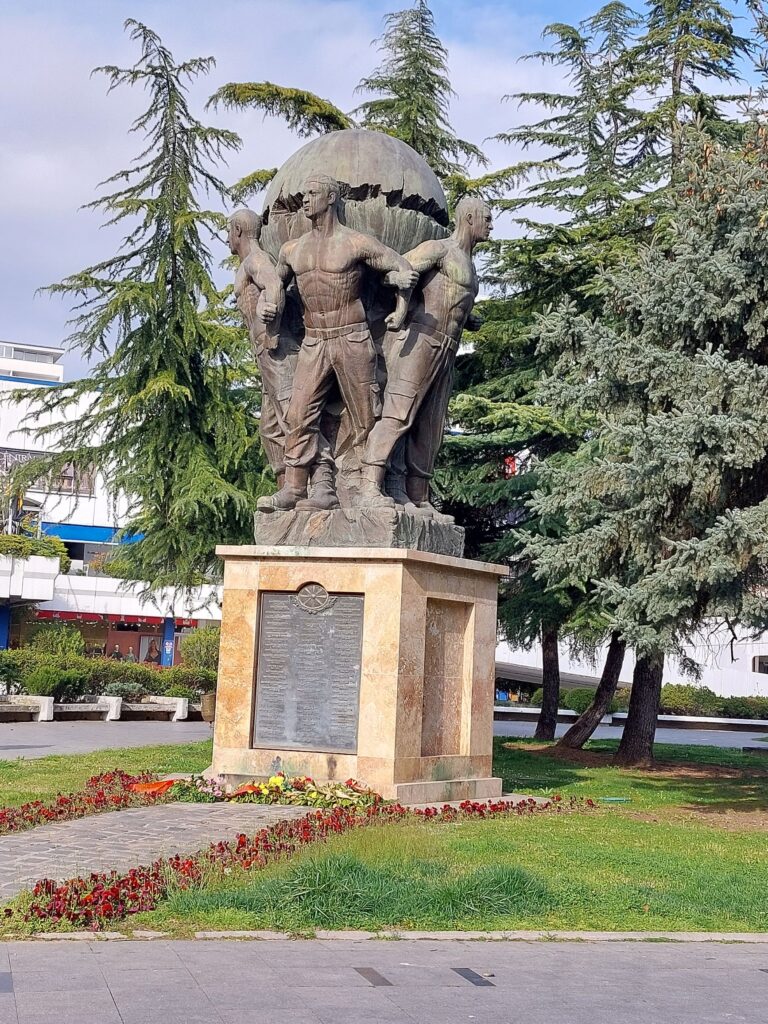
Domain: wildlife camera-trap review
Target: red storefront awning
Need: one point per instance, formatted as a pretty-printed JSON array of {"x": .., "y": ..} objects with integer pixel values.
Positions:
[{"x": 70, "y": 616}]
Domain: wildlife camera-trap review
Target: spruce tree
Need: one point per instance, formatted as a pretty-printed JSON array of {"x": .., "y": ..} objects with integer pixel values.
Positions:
[
  {"x": 167, "y": 413},
  {"x": 669, "y": 519},
  {"x": 590, "y": 177}
]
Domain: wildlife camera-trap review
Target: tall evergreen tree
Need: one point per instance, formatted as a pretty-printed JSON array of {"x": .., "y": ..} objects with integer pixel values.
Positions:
[
  {"x": 167, "y": 413},
  {"x": 670, "y": 518},
  {"x": 414, "y": 92},
  {"x": 590, "y": 176},
  {"x": 414, "y": 95},
  {"x": 687, "y": 47}
]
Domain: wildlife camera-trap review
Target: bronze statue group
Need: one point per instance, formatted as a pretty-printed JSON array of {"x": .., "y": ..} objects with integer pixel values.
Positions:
[{"x": 347, "y": 422}]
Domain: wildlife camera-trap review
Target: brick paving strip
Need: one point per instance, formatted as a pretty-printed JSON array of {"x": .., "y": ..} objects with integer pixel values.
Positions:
[{"x": 123, "y": 839}]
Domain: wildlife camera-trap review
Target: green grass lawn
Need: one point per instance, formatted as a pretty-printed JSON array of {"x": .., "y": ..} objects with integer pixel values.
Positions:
[
  {"x": 43, "y": 777},
  {"x": 578, "y": 871},
  {"x": 707, "y": 778},
  {"x": 684, "y": 850}
]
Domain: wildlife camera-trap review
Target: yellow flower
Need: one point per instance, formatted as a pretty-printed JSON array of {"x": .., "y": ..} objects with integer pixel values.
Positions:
[{"x": 277, "y": 781}]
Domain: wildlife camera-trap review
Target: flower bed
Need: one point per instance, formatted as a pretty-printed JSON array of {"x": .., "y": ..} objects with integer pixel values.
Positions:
[
  {"x": 97, "y": 900},
  {"x": 301, "y": 790},
  {"x": 116, "y": 790},
  {"x": 111, "y": 791}
]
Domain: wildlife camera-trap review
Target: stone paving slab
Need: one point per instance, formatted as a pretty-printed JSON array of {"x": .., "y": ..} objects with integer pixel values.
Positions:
[
  {"x": 39, "y": 739},
  {"x": 122, "y": 839},
  {"x": 409, "y": 982}
]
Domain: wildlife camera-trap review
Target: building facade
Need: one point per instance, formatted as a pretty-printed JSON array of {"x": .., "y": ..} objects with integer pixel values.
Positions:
[{"x": 79, "y": 510}]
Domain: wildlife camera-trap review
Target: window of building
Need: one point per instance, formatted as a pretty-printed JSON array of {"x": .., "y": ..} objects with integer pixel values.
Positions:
[{"x": 760, "y": 663}]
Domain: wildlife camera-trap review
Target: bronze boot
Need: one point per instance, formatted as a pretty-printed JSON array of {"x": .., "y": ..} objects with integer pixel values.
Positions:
[
  {"x": 371, "y": 493},
  {"x": 322, "y": 496},
  {"x": 293, "y": 490}
]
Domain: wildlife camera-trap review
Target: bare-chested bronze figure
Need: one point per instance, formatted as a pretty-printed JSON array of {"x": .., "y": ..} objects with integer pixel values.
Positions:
[
  {"x": 328, "y": 264},
  {"x": 421, "y": 357}
]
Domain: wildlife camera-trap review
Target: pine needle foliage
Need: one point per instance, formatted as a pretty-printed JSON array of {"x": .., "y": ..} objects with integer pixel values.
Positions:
[
  {"x": 303, "y": 111},
  {"x": 166, "y": 415},
  {"x": 670, "y": 515},
  {"x": 688, "y": 46},
  {"x": 413, "y": 92}
]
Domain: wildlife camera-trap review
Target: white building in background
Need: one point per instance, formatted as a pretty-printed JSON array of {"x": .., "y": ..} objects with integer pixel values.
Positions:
[
  {"x": 78, "y": 509},
  {"x": 30, "y": 364},
  {"x": 732, "y": 668}
]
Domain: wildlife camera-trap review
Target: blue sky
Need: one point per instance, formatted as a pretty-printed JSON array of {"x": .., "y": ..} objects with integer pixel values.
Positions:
[{"x": 61, "y": 134}]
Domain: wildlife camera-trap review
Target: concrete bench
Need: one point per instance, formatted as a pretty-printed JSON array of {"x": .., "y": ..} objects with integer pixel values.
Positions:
[
  {"x": 29, "y": 707},
  {"x": 530, "y": 714}
]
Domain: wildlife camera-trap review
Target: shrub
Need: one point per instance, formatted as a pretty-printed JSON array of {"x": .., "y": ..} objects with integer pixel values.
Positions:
[
  {"x": 182, "y": 691},
  {"x": 18, "y": 546},
  {"x": 201, "y": 649},
  {"x": 126, "y": 690},
  {"x": 745, "y": 707},
  {"x": 10, "y": 674},
  {"x": 64, "y": 685},
  {"x": 620, "y": 700},
  {"x": 577, "y": 700},
  {"x": 201, "y": 680},
  {"x": 57, "y": 638},
  {"x": 686, "y": 699},
  {"x": 536, "y": 698}
]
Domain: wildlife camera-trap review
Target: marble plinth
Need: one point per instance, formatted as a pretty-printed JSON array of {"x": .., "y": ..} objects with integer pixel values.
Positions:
[
  {"x": 360, "y": 528},
  {"x": 422, "y": 686}
]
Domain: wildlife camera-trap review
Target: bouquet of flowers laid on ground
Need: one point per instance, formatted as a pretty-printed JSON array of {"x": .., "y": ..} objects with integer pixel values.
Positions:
[{"x": 299, "y": 791}]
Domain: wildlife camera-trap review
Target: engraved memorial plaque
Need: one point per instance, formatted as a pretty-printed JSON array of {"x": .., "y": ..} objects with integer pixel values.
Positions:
[{"x": 308, "y": 673}]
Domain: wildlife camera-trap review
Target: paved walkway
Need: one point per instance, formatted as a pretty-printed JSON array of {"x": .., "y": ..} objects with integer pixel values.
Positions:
[
  {"x": 405, "y": 982},
  {"x": 38, "y": 739},
  {"x": 122, "y": 839}
]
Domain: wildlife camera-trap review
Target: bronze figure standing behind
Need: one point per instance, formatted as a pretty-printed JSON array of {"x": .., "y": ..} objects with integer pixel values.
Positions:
[{"x": 420, "y": 360}]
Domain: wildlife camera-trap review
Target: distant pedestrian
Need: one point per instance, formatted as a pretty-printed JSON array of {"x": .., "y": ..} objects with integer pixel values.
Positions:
[
  {"x": 130, "y": 656},
  {"x": 115, "y": 654}
]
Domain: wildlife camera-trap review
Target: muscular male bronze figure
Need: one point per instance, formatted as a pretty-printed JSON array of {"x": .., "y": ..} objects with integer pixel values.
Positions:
[
  {"x": 328, "y": 264},
  {"x": 420, "y": 359},
  {"x": 261, "y": 299}
]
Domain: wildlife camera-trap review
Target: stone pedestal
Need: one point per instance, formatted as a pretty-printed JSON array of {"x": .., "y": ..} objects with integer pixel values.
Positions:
[
  {"x": 373, "y": 663},
  {"x": 360, "y": 528}
]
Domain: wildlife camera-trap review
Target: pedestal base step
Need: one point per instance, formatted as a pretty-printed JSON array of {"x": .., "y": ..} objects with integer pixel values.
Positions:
[
  {"x": 447, "y": 790},
  {"x": 360, "y": 528}
]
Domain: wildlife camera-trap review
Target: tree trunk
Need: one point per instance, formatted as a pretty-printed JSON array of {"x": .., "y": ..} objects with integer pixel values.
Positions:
[
  {"x": 587, "y": 722},
  {"x": 550, "y": 682},
  {"x": 636, "y": 745}
]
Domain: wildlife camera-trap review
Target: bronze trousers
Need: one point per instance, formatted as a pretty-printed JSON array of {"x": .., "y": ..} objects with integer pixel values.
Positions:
[
  {"x": 277, "y": 367},
  {"x": 419, "y": 379},
  {"x": 344, "y": 355}
]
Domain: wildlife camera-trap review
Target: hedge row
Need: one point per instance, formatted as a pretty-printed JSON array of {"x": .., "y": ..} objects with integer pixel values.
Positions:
[
  {"x": 676, "y": 699},
  {"x": 687, "y": 699},
  {"x": 579, "y": 700},
  {"x": 28, "y": 671}
]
